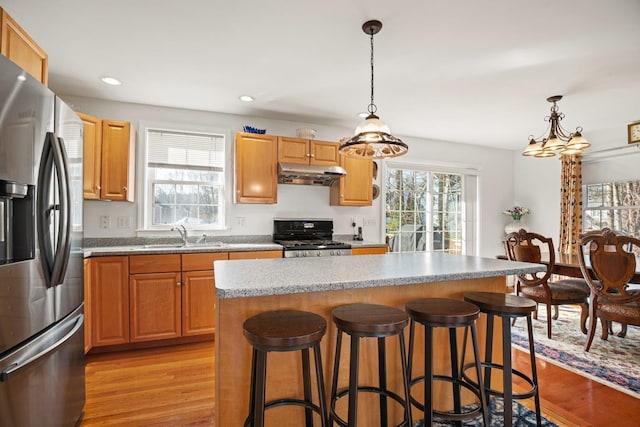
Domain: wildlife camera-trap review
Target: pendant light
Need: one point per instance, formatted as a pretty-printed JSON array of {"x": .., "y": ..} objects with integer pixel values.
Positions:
[
  {"x": 556, "y": 139},
  {"x": 372, "y": 138}
]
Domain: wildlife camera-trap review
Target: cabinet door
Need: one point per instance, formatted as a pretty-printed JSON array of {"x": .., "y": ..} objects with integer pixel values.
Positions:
[
  {"x": 21, "y": 49},
  {"x": 355, "y": 189},
  {"x": 155, "y": 306},
  {"x": 324, "y": 153},
  {"x": 198, "y": 303},
  {"x": 91, "y": 156},
  {"x": 117, "y": 161},
  {"x": 109, "y": 300},
  {"x": 255, "y": 171},
  {"x": 293, "y": 150}
]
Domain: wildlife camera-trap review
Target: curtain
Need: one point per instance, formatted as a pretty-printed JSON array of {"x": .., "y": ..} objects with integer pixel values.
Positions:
[{"x": 570, "y": 203}]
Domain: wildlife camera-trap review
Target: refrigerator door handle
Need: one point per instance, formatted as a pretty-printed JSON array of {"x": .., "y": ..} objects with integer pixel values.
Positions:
[
  {"x": 74, "y": 324},
  {"x": 45, "y": 209},
  {"x": 61, "y": 258}
]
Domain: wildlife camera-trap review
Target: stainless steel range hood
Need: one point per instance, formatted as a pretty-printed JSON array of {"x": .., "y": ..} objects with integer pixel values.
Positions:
[{"x": 290, "y": 173}]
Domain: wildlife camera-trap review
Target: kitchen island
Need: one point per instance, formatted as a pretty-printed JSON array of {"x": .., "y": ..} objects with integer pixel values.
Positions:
[{"x": 246, "y": 288}]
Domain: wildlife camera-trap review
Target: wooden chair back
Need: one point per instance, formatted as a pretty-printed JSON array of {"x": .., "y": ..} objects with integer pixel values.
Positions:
[
  {"x": 613, "y": 262},
  {"x": 527, "y": 246}
]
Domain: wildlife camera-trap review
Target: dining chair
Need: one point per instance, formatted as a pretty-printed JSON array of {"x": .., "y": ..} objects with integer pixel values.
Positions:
[
  {"x": 527, "y": 246},
  {"x": 608, "y": 262}
]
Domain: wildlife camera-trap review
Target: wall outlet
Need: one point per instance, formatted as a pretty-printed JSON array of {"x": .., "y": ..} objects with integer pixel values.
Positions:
[
  {"x": 370, "y": 222},
  {"x": 241, "y": 221},
  {"x": 105, "y": 221},
  {"x": 124, "y": 221}
]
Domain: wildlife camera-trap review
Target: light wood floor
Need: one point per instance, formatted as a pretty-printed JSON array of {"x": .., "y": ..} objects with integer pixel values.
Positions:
[{"x": 174, "y": 386}]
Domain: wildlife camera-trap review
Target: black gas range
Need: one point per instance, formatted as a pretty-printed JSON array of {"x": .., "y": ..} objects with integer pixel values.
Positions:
[{"x": 307, "y": 238}]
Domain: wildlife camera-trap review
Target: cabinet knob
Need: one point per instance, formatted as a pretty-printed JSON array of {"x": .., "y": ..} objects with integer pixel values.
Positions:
[
  {"x": 312, "y": 155},
  {"x": 178, "y": 283},
  {"x": 99, "y": 187},
  {"x": 124, "y": 189}
]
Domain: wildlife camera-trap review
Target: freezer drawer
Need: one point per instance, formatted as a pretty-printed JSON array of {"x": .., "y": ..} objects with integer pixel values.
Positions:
[{"x": 42, "y": 382}]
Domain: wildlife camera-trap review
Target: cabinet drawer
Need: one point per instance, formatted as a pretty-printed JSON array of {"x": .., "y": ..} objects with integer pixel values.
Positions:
[
  {"x": 202, "y": 261},
  {"x": 255, "y": 254},
  {"x": 154, "y": 263}
]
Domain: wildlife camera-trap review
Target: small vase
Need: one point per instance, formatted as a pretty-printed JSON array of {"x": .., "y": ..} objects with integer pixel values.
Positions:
[{"x": 514, "y": 226}]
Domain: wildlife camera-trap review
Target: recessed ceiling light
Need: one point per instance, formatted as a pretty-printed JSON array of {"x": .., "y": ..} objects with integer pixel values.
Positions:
[
  {"x": 363, "y": 114},
  {"x": 111, "y": 81},
  {"x": 22, "y": 78},
  {"x": 246, "y": 98}
]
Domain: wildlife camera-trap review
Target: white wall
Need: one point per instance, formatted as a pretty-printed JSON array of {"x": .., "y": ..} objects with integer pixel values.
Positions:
[{"x": 495, "y": 168}]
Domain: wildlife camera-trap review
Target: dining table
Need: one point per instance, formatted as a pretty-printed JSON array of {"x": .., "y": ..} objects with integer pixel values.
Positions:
[{"x": 569, "y": 265}]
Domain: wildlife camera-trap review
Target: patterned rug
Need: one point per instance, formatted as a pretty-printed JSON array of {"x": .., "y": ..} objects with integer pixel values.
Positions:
[
  {"x": 614, "y": 362},
  {"x": 522, "y": 417}
]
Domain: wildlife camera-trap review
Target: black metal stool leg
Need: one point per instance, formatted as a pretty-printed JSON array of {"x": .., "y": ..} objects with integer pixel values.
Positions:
[
  {"x": 334, "y": 381},
  {"x": 353, "y": 381},
  {"x": 534, "y": 372},
  {"x": 321, "y": 392},
  {"x": 455, "y": 383},
  {"x": 261, "y": 371},
  {"x": 507, "y": 374},
  {"x": 405, "y": 378},
  {"x": 382, "y": 375},
  {"x": 483, "y": 397},
  {"x": 306, "y": 381},
  {"x": 488, "y": 354},
  {"x": 428, "y": 375}
]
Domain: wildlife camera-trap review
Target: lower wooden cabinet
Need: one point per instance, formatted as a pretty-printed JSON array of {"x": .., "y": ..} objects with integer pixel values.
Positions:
[
  {"x": 141, "y": 298},
  {"x": 109, "y": 301}
]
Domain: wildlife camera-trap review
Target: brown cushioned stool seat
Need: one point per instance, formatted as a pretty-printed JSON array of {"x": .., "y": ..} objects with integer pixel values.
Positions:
[
  {"x": 507, "y": 307},
  {"x": 451, "y": 314},
  {"x": 369, "y": 321},
  {"x": 282, "y": 331}
]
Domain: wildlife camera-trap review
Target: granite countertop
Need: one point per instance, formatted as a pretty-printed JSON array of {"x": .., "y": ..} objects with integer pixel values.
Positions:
[
  {"x": 170, "y": 248},
  {"x": 237, "y": 279}
]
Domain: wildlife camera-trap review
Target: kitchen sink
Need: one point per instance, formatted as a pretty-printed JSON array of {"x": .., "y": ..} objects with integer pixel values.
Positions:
[{"x": 163, "y": 245}]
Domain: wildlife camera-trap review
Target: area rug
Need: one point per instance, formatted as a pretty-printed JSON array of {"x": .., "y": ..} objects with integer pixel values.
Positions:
[
  {"x": 522, "y": 417},
  {"x": 614, "y": 362}
]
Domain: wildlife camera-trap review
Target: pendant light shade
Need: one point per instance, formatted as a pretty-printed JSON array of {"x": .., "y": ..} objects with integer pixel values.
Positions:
[{"x": 372, "y": 138}]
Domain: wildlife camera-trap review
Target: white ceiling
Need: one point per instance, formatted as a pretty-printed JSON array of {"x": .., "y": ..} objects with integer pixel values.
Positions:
[{"x": 468, "y": 71}]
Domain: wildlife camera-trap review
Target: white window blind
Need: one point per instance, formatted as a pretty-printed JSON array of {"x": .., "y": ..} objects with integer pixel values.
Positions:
[{"x": 185, "y": 150}]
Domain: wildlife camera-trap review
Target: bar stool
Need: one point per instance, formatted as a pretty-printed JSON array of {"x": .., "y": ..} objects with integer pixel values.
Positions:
[
  {"x": 507, "y": 307},
  {"x": 369, "y": 321},
  {"x": 283, "y": 331},
  {"x": 451, "y": 314}
]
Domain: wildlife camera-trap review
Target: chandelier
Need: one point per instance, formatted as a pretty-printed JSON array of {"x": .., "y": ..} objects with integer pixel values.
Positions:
[
  {"x": 556, "y": 139},
  {"x": 372, "y": 138}
]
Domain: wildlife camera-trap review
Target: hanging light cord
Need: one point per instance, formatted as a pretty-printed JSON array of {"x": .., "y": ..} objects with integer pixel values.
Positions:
[{"x": 372, "y": 107}]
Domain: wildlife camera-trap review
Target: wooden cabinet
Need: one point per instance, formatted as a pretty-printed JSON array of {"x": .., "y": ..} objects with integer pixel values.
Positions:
[
  {"x": 16, "y": 45},
  {"x": 369, "y": 251},
  {"x": 109, "y": 301},
  {"x": 109, "y": 159},
  {"x": 256, "y": 178},
  {"x": 155, "y": 297},
  {"x": 198, "y": 292},
  {"x": 355, "y": 189},
  {"x": 92, "y": 156},
  {"x": 307, "y": 152}
]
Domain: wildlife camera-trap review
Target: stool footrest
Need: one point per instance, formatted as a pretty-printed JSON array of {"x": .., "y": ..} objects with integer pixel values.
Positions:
[
  {"x": 366, "y": 389},
  {"x": 486, "y": 365},
  {"x": 471, "y": 386}
]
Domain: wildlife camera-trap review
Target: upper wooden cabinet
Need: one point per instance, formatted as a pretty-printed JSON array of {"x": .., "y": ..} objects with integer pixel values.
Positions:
[
  {"x": 256, "y": 177},
  {"x": 16, "y": 45},
  {"x": 355, "y": 189},
  {"x": 307, "y": 152},
  {"x": 109, "y": 159}
]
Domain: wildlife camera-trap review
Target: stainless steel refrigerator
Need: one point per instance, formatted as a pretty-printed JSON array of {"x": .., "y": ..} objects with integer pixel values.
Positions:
[{"x": 41, "y": 258}]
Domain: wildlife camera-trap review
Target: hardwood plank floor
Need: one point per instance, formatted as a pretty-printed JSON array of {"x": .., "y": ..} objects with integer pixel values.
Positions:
[{"x": 174, "y": 386}]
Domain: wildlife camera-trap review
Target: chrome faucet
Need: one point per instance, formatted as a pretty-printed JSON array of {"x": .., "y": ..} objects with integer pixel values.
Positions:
[{"x": 183, "y": 233}]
